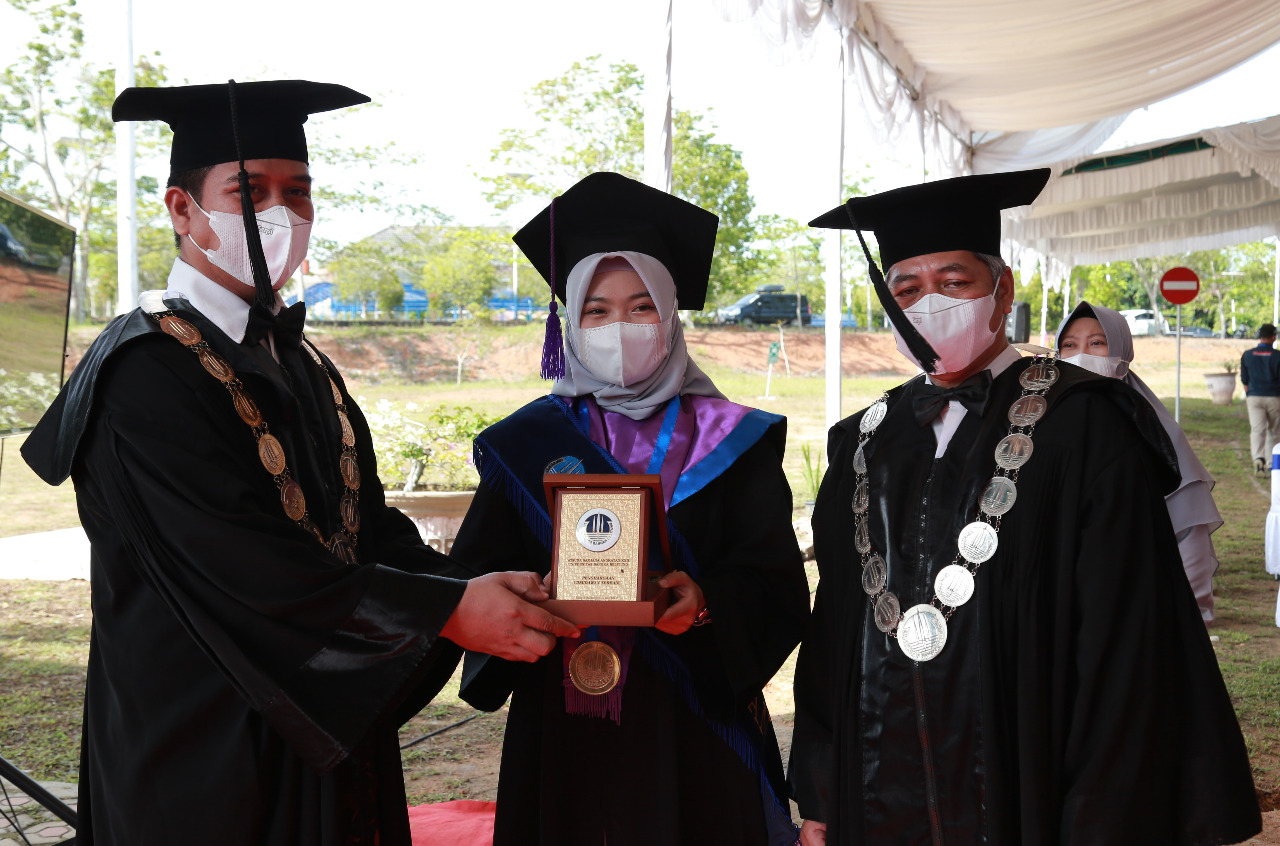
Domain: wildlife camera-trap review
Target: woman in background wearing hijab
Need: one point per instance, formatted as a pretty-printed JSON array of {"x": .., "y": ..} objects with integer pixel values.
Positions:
[
  {"x": 681, "y": 750},
  {"x": 1099, "y": 339}
]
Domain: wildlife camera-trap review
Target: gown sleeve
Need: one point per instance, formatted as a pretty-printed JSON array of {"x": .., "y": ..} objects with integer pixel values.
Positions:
[
  {"x": 752, "y": 578},
  {"x": 493, "y": 538},
  {"x": 1151, "y": 723},
  {"x": 321, "y": 649},
  {"x": 811, "y": 772}
]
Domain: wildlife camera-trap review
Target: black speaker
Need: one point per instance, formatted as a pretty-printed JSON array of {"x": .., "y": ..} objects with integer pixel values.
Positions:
[{"x": 1017, "y": 326}]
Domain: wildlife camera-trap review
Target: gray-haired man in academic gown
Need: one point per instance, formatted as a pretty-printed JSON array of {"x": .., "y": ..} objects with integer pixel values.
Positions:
[{"x": 1004, "y": 648}]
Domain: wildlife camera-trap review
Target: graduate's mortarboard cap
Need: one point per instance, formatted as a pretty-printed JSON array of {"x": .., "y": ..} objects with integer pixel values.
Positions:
[
  {"x": 269, "y": 116},
  {"x": 951, "y": 214},
  {"x": 607, "y": 212}
]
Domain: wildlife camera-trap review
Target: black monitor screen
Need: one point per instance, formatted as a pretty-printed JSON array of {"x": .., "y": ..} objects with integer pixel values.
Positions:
[{"x": 37, "y": 253}]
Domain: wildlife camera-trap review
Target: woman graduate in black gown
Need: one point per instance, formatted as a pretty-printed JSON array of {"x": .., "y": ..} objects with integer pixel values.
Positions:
[{"x": 682, "y": 749}]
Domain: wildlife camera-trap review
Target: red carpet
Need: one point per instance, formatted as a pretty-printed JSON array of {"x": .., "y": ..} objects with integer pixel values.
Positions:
[{"x": 461, "y": 823}]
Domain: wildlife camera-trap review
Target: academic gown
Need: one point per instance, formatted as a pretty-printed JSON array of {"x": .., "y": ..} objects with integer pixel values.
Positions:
[
  {"x": 244, "y": 686},
  {"x": 663, "y": 775},
  {"x": 1077, "y": 700}
]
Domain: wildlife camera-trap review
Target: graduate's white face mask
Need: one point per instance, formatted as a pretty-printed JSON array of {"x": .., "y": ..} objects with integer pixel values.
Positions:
[
  {"x": 959, "y": 330},
  {"x": 625, "y": 353},
  {"x": 1103, "y": 365},
  {"x": 284, "y": 235}
]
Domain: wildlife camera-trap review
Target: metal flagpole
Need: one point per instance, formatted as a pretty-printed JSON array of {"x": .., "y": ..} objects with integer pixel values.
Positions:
[{"x": 126, "y": 186}]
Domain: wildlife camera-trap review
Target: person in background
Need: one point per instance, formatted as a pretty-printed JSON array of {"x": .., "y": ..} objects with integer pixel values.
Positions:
[
  {"x": 1260, "y": 375},
  {"x": 1098, "y": 339},
  {"x": 680, "y": 749}
]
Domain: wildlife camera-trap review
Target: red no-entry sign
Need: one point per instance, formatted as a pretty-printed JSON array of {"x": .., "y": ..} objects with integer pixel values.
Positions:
[{"x": 1180, "y": 285}]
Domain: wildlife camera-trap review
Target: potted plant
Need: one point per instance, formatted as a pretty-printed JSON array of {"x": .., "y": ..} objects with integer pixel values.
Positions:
[
  {"x": 426, "y": 468},
  {"x": 1222, "y": 386}
]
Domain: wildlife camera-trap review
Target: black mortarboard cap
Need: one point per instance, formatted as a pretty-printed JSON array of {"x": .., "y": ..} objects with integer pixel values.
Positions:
[
  {"x": 936, "y": 217},
  {"x": 270, "y": 118},
  {"x": 607, "y": 212}
]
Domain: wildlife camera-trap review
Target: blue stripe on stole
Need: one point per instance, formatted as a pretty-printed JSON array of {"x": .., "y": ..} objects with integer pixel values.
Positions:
[{"x": 744, "y": 436}]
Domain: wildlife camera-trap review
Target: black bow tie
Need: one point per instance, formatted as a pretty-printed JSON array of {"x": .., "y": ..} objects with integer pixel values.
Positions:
[
  {"x": 285, "y": 326},
  {"x": 972, "y": 393}
]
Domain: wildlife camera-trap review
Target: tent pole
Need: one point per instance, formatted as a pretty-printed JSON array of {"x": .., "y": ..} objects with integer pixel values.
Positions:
[
  {"x": 658, "y": 128},
  {"x": 1275, "y": 294},
  {"x": 1044, "y": 311},
  {"x": 835, "y": 273},
  {"x": 126, "y": 186}
]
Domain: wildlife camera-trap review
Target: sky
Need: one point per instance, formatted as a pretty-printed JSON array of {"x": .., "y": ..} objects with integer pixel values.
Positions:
[{"x": 449, "y": 76}]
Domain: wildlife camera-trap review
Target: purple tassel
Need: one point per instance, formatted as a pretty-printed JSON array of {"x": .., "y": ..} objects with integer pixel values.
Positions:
[{"x": 553, "y": 346}]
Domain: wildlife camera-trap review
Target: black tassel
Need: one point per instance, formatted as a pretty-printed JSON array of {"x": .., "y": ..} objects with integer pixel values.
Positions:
[
  {"x": 265, "y": 295},
  {"x": 919, "y": 347}
]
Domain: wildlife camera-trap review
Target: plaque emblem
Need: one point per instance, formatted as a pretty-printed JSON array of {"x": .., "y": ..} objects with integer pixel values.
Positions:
[
  {"x": 594, "y": 668},
  {"x": 598, "y": 529},
  {"x": 564, "y": 464}
]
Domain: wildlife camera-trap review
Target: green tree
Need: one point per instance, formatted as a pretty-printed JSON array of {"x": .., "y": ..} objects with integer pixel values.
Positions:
[
  {"x": 57, "y": 140},
  {"x": 591, "y": 119},
  {"x": 376, "y": 269},
  {"x": 789, "y": 256},
  {"x": 464, "y": 266}
]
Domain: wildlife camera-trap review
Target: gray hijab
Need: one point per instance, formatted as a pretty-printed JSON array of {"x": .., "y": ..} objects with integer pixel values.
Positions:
[
  {"x": 677, "y": 375},
  {"x": 1192, "y": 503}
]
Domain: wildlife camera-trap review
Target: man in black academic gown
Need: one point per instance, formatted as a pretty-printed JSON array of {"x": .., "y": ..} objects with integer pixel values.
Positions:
[
  {"x": 1003, "y": 653},
  {"x": 262, "y": 621}
]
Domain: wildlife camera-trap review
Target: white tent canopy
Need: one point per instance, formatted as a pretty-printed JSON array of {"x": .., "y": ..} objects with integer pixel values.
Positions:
[
  {"x": 1026, "y": 83},
  {"x": 1199, "y": 192}
]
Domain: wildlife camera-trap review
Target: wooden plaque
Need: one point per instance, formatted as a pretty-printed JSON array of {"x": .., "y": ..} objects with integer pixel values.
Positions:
[{"x": 602, "y": 528}]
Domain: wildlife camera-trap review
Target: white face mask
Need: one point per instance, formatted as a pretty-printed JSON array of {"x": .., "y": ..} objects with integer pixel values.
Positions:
[
  {"x": 958, "y": 330},
  {"x": 1103, "y": 365},
  {"x": 624, "y": 353},
  {"x": 284, "y": 243}
]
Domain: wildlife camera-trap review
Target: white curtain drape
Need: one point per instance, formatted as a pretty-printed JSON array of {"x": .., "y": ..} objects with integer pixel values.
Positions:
[
  {"x": 1003, "y": 86},
  {"x": 1203, "y": 200}
]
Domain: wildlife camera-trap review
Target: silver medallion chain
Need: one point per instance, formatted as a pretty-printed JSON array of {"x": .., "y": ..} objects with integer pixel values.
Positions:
[{"x": 921, "y": 632}]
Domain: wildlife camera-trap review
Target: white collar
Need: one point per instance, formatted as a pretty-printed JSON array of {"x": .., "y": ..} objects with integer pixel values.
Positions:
[
  {"x": 223, "y": 308},
  {"x": 220, "y": 306},
  {"x": 998, "y": 365}
]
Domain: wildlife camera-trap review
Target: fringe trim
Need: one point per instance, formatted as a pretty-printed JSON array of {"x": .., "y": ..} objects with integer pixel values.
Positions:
[{"x": 496, "y": 474}]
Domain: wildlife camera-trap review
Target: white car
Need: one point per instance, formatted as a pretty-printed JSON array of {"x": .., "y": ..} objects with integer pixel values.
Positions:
[{"x": 1143, "y": 321}]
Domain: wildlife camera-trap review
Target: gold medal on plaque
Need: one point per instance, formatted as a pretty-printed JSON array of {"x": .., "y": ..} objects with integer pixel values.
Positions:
[{"x": 594, "y": 668}]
